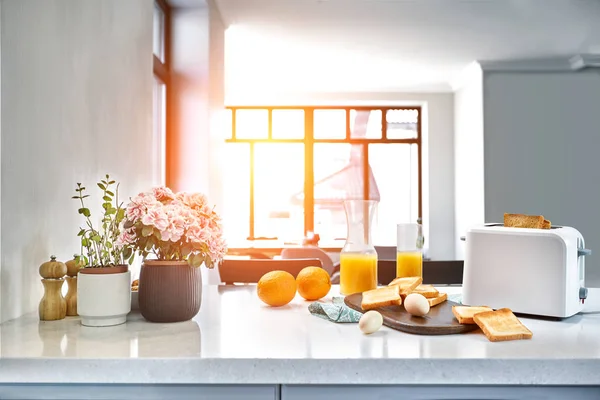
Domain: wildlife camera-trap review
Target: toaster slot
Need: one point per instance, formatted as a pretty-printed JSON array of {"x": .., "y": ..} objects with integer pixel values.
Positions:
[{"x": 494, "y": 224}]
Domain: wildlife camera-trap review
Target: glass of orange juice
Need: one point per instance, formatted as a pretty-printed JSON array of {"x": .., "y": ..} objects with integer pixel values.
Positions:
[
  {"x": 358, "y": 258},
  {"x": 409, "y": 250}
]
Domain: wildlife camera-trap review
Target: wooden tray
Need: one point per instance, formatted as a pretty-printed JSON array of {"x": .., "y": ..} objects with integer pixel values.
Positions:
[{"x": 439, "y": 320}]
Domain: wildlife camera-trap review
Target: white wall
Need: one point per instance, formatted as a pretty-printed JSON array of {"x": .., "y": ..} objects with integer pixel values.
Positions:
[
  {"x": 542, "y": 135},
  {"x": 438, "y": 150},
  {"x": 76, "y": 103},
  {"x": 468, "y": 155}
]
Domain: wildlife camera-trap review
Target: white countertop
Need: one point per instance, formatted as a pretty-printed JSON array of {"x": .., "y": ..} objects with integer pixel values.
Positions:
[{"x": 236, "y": 339}]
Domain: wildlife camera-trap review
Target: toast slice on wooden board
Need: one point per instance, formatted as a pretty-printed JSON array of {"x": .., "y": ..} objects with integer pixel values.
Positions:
[
  {"x": 406, "y": 284},
  {"x": 441, "y": 297},
  {"x": 524, "y": 221},
  {"x": 501, "y": 325},
  {"x": 464, "y": 314},
  {"x": 427, "y": 291},
  {"x": 381, "y": 297}
]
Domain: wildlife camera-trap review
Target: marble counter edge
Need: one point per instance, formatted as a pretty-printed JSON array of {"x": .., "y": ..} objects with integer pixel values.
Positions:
[{"x": 302, "y": 371}]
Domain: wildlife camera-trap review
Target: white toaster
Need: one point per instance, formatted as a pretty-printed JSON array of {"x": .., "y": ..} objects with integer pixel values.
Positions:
[{"x": 531, "y": 271}]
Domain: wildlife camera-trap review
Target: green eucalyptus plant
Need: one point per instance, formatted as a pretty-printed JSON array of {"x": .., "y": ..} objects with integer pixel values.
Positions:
[{"x": 100, "y": 247}]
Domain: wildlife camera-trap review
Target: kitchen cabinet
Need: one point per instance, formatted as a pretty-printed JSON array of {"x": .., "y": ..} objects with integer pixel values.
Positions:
[
  {"x": 135, "y": 392},
  {"x": 392, "y": 392}
]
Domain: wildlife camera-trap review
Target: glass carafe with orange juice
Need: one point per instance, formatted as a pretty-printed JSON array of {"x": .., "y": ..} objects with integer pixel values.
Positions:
[
  {"x": 358, "y": 259},
  {"x": 409, "y": 251}
]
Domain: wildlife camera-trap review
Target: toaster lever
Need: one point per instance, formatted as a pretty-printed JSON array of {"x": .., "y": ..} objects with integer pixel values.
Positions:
[{"x": 584, "y": 252}]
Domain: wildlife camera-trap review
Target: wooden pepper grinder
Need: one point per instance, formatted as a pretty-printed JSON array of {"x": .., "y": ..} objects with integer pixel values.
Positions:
[
  {"x": 53, "y": 305},
  {"x": 73, "y": 267}
]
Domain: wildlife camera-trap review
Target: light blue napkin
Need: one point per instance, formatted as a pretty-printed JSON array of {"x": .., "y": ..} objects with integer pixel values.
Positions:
[
  {"x": 457, "y": 298},
  {"x": 336, "y": 311}
]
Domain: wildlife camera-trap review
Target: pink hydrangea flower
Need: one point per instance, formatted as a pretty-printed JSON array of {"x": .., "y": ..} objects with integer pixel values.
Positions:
[
  {"x": 126, "y": 237},
  {"x": 196, "y": 201},
  {"x": 163, "y": 193},
  {"x": 157, "y": 218},
  {"x": 179, "y": 219}
]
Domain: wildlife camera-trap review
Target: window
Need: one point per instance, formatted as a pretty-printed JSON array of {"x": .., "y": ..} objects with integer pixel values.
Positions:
[
  {"x": 292, "y": 167},
  {"x": 161, "y": 47}
]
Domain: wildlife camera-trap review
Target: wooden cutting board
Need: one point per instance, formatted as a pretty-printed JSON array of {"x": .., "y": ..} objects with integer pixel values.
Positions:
[{"x": 439, "y": 320}]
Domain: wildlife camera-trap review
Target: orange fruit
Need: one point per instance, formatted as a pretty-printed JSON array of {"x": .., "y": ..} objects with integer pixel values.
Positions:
[
  {"x": 313, "y": 283},
  {"x": 276, "y": 288}
]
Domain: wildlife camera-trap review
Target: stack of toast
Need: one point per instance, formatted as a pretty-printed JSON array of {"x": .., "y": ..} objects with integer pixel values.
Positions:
[
  {"x": 499, "y": 325},
  {"x": 526, "y": 221},
  {"x": 397, "y": 290}
]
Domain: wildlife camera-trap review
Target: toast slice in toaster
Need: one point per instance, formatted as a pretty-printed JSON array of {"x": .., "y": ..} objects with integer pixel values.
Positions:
[
  {"x": 406, "y": 284},
  {"x": 502, "y": 325},
  {"x": 547, "y": 224},
  {"x": 381, "y": 297},
  {"x": 524, "y": 221},
  {"x": 434, "y": 301},
  {"x": 464, "y": 314}
]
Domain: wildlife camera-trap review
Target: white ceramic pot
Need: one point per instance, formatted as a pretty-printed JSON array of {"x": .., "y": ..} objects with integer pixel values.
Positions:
[{"x": 104, "y": 297}]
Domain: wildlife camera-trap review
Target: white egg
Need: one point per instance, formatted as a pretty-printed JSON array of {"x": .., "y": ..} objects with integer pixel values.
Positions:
[
  {"x": 370, "y": 322},
  {"x": 416, "y": 304}
]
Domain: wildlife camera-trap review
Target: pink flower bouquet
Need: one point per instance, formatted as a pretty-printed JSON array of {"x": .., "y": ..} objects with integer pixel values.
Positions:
[{"x": 174, "y": 227}]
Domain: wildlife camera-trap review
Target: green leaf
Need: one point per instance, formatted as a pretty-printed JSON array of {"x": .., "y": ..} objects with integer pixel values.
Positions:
[
  {"x": 157, "y": 235},
  {"x": 120, "y": 214},
  {"x": 86, "y": 196},
  {"x": 147, "y": 230},
  {"x": 130, "y": 261},
  {"x": 101, "y": 186},
  {"x": 149, "y": 245},
  {"x": 106, "y": 198},
  {"x": 186, "y": 249},
  {"x": 84, "y": 211},
  {"x": 81, "y": 232},
  {"x": 128, "y": 252},
  {"x": 96, "y": 238},
  {"x": 109, "y": 245},
  {"x": 128, "y": 224},
  {"x": 110, "y": 193},
  {"x": 197, "y": 260},
  {"x": 75, "y": 197},
  {"x": 84, "y": 242},
  {"x": 111, "y": 182}
]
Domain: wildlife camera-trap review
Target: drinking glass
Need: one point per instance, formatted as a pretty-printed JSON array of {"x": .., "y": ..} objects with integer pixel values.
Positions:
[{"x": 409, "y": 250}]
